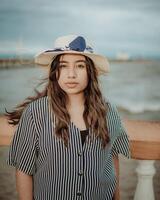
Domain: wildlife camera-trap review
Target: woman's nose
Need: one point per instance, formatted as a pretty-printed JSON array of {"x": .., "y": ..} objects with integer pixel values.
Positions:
[{"x": 72, "y": 73}]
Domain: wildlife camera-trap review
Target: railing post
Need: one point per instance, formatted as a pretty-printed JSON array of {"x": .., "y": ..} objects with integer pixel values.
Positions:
[{"x": 145, "y": 171}]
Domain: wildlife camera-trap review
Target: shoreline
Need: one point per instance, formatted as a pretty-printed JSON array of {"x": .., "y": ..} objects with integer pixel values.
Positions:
[
  {"x": 16, "y": 63},
  {"x": 29, "y": 62}
]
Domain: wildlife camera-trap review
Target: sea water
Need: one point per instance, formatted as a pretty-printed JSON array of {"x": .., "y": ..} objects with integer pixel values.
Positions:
[{"x": 133, "y": 86}]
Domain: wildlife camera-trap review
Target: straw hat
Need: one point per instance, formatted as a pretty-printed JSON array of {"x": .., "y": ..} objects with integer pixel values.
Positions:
[{"x": 74, "y": 44}]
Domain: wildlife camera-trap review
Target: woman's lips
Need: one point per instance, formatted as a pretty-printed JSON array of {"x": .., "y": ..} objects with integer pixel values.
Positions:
[{"x": 71, "y": 85}]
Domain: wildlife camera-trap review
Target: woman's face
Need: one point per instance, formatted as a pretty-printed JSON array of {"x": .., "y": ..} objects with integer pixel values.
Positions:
[{"x": 73, "y": 78}]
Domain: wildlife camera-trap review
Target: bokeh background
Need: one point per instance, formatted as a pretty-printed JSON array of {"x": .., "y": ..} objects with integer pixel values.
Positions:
[
  {"x": 127, "y": 32},
  {"x": 115, "y": 27}
]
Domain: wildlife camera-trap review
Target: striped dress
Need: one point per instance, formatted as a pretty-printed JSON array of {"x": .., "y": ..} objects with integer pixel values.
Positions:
[{"x": 66, "y": 173}]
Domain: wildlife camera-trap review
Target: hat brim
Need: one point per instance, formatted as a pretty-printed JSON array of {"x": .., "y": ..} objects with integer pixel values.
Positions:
[{"x": 101, "y": 63}]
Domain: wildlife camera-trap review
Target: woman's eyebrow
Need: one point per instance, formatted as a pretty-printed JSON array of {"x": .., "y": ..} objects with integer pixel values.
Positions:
[
  {"x": 63, "y": 61},
  {"x": 81, "y": 61}
]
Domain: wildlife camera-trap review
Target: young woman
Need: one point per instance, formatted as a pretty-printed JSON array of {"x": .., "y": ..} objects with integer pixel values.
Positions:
[{"x": 68, "y": 137}]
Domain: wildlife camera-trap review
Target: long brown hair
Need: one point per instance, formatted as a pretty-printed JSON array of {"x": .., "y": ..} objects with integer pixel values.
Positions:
[{"x": 95, "y": 107}]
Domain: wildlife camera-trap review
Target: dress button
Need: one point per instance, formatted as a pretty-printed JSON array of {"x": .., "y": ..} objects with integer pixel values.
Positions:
[
  {"x": 79, "y": 193},
  {"x": 79, "y": 153},
  {"x": 80, "y": 173}
]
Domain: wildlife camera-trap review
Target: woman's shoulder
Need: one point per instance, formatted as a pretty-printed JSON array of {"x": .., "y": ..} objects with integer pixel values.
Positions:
[
  {"x": 37, "y": 106},
  {"x": 113, "y": 116},
  {"x": 37, "y": 109},
  {"x": 111, "y": 107},
  {"x": 40, "y": 102}
]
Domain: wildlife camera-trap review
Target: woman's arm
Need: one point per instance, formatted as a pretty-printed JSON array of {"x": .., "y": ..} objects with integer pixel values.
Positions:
[
  {"x": 24, "y": 184},
  {"x": 116, "y": 166}
]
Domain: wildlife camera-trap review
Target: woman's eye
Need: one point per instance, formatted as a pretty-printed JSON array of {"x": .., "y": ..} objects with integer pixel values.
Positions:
[
  {"x": 81, "y": 66},
  {"x": 62, "y": 66}
]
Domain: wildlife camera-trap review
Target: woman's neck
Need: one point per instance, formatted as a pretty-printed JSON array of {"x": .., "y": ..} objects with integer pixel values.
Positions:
[{"x": 75, "y": 101}]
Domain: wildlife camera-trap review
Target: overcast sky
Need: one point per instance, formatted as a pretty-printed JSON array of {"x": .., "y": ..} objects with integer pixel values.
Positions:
[{"x": 113, "y": 27}]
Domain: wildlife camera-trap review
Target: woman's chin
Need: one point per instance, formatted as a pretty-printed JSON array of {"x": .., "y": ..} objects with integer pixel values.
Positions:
[{"x": 73, "y": 91}]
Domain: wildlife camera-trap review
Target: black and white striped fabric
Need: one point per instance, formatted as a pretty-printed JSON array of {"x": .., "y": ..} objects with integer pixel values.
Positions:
[{"x": 59, "y": 173}]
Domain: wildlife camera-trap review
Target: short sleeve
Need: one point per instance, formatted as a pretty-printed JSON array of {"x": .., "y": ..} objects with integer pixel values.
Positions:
[
  {"x": 22, "y": 150},
  {"x": 121, "y": 144},
  {"x": 119, "y": 138}
]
